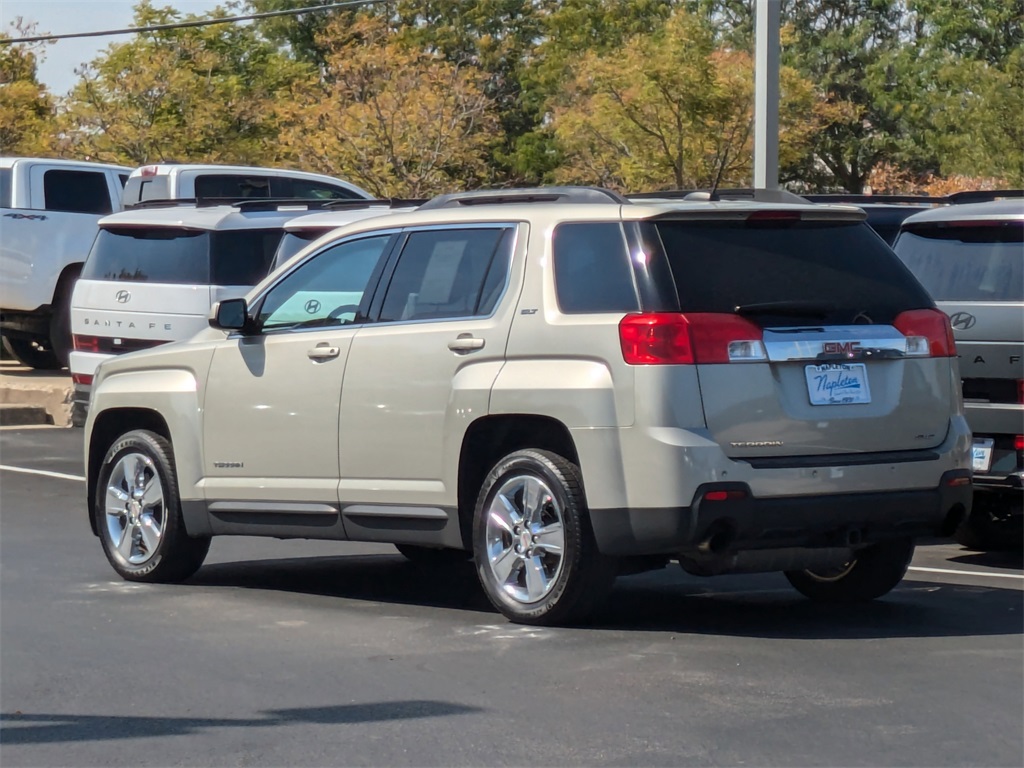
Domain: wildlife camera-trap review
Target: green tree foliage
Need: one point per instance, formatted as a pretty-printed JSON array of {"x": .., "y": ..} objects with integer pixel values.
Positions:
[
  {"x": 670, "y": 109},
  {"x": 389, "y": 116},
  {"x": 27, "y": 117},
  {"x": 202, "y": 94}
]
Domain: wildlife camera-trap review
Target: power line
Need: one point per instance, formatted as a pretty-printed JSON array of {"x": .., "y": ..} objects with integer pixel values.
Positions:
[{"x": 184, "y": 24}]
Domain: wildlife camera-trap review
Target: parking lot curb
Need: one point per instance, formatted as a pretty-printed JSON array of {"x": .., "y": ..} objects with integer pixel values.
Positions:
[{"x": 27, "y": 396}]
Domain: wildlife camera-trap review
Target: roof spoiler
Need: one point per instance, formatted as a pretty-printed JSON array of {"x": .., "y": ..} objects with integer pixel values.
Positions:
[{"x": 696, "y": 195}]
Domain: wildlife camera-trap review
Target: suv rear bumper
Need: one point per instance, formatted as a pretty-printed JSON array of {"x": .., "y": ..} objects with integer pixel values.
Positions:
[{"x": 742, "y": 521}]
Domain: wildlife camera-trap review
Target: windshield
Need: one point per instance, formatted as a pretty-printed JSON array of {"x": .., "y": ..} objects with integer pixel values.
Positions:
[
  {"x": 967, "y": 263},
  {"x": 832, "y": 272},
  {"x": 181, "y": 256}
]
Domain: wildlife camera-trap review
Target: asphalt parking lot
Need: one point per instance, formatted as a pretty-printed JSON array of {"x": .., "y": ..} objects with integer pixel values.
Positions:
[{"x": 319, "y": 653}]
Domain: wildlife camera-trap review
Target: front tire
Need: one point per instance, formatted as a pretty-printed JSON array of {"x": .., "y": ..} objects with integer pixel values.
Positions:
[
  {"x": 137, "y": 512},
  {"x": 873, "y": 572},
  {"x": 535, "y": 552}
]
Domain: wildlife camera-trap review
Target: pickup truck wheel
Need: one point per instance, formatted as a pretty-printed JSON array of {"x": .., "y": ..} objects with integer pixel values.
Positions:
[
  {"x": 138, "y": 513},
  {"x": 60, "y": 329},
  {"x": 535, "y": 553},
  {"x": 433, "y": 555},
  {"x": 873, "y": 572},
  {"x": 34, "y": 353}
]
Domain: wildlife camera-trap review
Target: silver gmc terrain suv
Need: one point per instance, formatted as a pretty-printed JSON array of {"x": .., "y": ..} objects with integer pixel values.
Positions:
[{"x": 563, "y": 384}]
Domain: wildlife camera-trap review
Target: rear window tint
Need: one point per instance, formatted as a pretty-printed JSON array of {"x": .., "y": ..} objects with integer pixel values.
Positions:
[
  {"x": 161, "y": 255},
  {"x": 967, "y": 263},
  {"x": 5, "y": 187},
  {"x": 719, "y": 266},
  {"x": 76, "y": 192},
  {"x": 282, "y": 186},
  {"x": 181, "y": 257},
  {"x": 216, "y": 186},
  {"x": 592, "y": 270}
]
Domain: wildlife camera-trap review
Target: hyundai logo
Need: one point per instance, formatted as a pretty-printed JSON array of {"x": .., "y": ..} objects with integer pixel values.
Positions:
[
  {"x": 312, "y": 306},
  {"x": 123, "y": 297},
  {"x": 962, "y": 320}
]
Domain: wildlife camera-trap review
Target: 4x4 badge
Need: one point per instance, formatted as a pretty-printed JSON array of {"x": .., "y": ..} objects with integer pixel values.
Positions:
[
  {"x": 962, "y": 320},
  {"x": 122, "y": 297}
]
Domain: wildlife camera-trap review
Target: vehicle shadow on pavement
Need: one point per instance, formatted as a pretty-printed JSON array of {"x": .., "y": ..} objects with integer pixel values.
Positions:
[
  {"x": 39, "y": 728},
  {"x": 662, "y": 601},
  {"x": 1011, "y": 560}
]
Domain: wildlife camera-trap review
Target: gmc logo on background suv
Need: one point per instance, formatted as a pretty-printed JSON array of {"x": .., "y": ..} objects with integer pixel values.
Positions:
[{"x": 848, "y": 348}]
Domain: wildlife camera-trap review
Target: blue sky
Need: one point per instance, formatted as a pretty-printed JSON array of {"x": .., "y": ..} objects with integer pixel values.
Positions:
[{"x": 56, "y": 17}]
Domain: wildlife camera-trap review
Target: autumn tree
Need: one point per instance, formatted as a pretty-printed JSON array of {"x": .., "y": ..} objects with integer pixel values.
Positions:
[
  {"x": 27, "y": 117},
  {"x": 203, "y": 93},
  {"x": 669, "y": 110},
  {"x": 390, "y": 117}
]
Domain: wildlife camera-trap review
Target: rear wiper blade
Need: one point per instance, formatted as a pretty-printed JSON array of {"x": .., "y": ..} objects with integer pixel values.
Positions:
[{"x": 788, "y": 308}]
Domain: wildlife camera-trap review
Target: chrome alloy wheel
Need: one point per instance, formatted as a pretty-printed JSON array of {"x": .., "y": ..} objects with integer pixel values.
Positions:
[
  {"x": 135, "y": 509},
  {"x": 525, "y": 538}
]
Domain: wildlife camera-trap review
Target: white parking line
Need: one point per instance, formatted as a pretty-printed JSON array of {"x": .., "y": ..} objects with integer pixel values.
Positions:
[
  {"x": 43, "y": 472},
  {"x": 968, "y": 573}
]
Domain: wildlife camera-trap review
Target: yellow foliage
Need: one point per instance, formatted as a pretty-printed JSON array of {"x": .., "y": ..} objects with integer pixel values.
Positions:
[{"x": 396, "y": 120}]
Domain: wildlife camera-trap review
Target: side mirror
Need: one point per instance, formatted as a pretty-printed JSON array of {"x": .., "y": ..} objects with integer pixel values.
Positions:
[{"x": 230, "y": 315}]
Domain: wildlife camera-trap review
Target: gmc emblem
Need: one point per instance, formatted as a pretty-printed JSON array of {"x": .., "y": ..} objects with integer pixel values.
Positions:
[{"x": 847, "y": 348}]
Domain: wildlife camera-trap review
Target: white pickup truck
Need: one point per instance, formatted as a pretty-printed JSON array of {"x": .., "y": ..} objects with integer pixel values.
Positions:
[{"x": 49, "y": 211}]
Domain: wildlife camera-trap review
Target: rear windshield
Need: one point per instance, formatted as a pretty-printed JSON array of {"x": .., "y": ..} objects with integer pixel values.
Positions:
[
  {"x": 834, "y": 273},
  {"x": 983, "y": 263},
  {"x": 293, "y": 242},
  {"x": 182, "y": 256}
]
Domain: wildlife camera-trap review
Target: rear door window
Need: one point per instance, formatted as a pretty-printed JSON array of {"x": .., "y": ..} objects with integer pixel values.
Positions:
[
  {"x": 442, "y": 274},
  {"x": 76, "y": 191},
  {"x": 242, "y": 256},
  {"x": 834, "y": 273},
  {"x": 592, "y": 270},
  {"x": 159, "y": 255},
  {"x": 967, "y": 263}
]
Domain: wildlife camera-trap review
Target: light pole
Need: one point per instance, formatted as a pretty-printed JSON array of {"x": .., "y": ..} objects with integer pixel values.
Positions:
[{"x": 766, "y": 96}]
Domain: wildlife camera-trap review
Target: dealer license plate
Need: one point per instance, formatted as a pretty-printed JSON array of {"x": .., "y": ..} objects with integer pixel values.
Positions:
[
  {"x": 981, "y": 454},
  {"x": 838, "y": 384}
]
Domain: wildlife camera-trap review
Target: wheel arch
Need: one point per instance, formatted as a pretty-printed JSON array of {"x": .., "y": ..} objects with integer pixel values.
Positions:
[{"x": 490, "y": 438}]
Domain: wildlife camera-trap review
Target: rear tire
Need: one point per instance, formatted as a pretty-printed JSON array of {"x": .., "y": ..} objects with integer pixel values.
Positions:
[
  {"x": 35, "y": 353},
  {"x": 534, "y": 548},
  {"x": 873, "y": 572},
  {"x": 994, "y": 525},
  {"x": 60, "y": 324},
  {"x": 137, "y": 512}
]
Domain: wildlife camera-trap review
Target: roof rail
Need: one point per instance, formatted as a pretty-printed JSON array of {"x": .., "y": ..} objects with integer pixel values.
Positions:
[
  {"x": 390, "y": 202},
  {"x": 983, "y": 195},
  {"x": 757, "y": 195},
  {"x": 526, "y": 195}
]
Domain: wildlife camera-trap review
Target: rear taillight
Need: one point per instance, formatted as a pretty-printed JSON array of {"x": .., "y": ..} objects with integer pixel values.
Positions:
[
  {"x": 1018, "y": 443},
  {"x": 724, "y": 495},
  {"x": 670, "y": 338},
  {"x": 85, "y": 379},
  {"x": 86, "y": 343},
  {"x": 928, "y": 333},
  {"x": 148, "y": 170}
]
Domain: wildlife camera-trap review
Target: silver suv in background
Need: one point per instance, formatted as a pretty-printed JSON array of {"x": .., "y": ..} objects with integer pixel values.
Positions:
[
  {"x": 563, "y": 385},
  {"x": 971, "y": 260}
]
